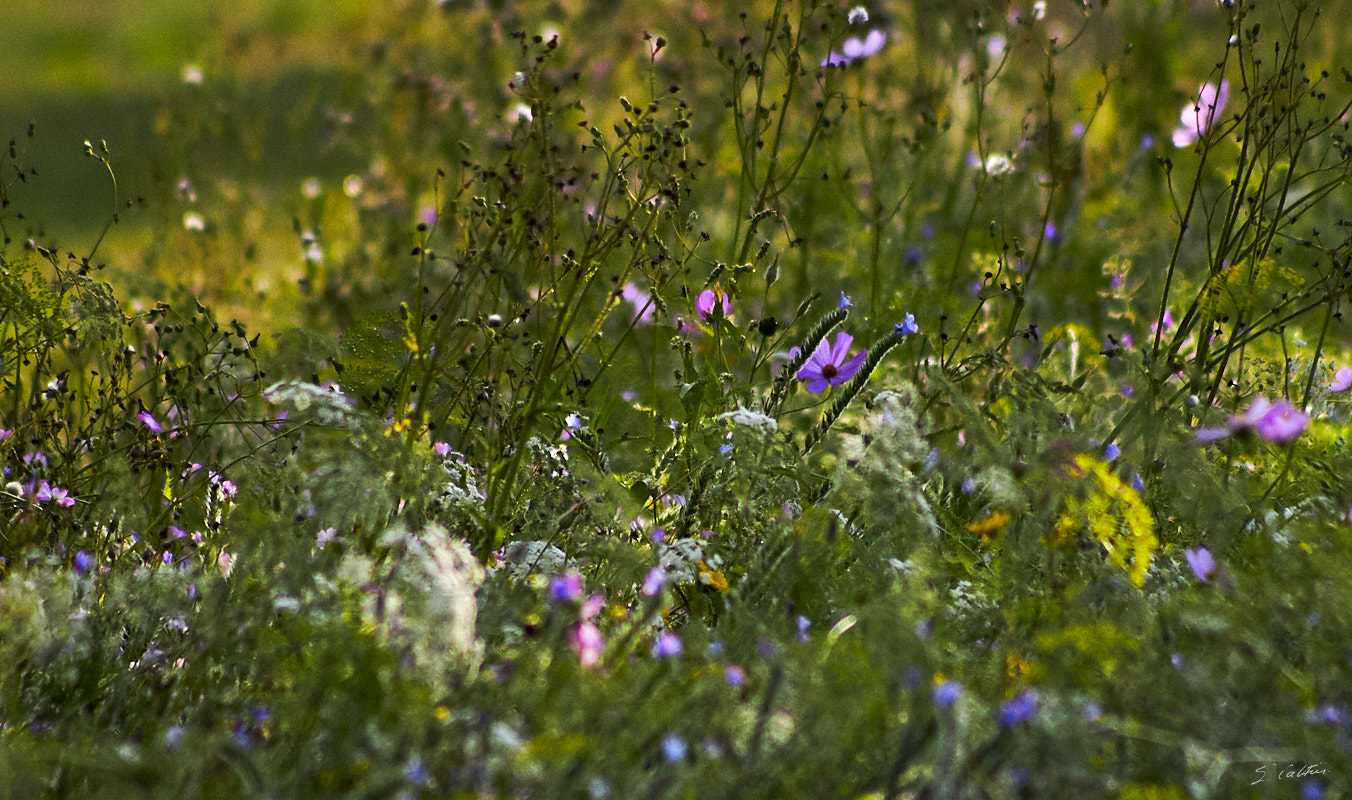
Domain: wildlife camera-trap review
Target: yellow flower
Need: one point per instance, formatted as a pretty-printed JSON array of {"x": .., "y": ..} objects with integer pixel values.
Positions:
[
  {"x": 988, "y": 527},
  {"x": 1113, "y": 513},
  {"x": 712, "y": 577}
]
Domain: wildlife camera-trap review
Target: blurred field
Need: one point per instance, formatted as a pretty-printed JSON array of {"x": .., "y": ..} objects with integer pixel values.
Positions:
[{"x": 99, "y": 71}]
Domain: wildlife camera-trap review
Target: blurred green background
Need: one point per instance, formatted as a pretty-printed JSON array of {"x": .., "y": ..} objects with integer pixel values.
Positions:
[{"x": 78, "y": 70}]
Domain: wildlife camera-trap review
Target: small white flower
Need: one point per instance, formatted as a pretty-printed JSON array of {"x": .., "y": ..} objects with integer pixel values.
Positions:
[
  {"x": 192, "y": 75},
  {"x": 519, "y": 113},
  {"x": 998, "y": 164},
  {"x": 192, "y": 221},
  {"x": 858, "y": 16},
  {"x": 751, "y": 419}
]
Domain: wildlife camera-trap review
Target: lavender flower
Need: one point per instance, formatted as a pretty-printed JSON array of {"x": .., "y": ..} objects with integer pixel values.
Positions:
[
  {"x": 652, "y": 585},
  {"x": 907, "y": 326},
  {"x": 1203, "y": 564},
  {"x": 828, "y": 366},
  {"x": 565, "y": 588},
  {"x": 1020, "y": 709},
  {"x": 946, "y": 693},
  {"x": 673, "y": 748},
  {"x": 1342, "y": 380},
  {"x": 667, "y": 645}
]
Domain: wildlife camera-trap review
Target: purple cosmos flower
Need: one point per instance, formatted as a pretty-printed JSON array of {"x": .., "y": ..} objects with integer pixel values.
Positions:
[
  {"x": 710, "y": 299},
  {"x": 1198, "y": 117},
  {"x": 150, "y": 422},
  {"x": 946, "y": 693},
  {"x": 1020, "y": 709},
  {"x": 827, "y": 365},
  {"x": 1203, "y": 564},
  {"x": 83, "y": 562},
  {"x": 667, "y": 645},
  {"x": 1279, "y": 422},
  {"x": 1342, "y": 380}
]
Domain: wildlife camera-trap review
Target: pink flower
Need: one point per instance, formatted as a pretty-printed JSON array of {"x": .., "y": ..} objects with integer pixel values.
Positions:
[
  {"x": 827, "y": 365},
  {"x": 642, "y": 301},
  {"x": 711, "y": 298},
  {"x": 1197, "y": 118},
  {"x": 854, "y": 49},
  {"x": 585, "y": 640},
  {"x": 150, "y": 422}
]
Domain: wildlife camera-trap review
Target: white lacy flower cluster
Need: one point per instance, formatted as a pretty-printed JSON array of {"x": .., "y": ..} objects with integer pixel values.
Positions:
[
  {"x": 425, "y": 606},
  {"x": 462, "y": 486},
  {"x": 883, "y": 455},
  {"x": 533, "y": 557},
  {"x": 680, "y": 561},
  {"x": 326, "y": 405},
  {"x": 750, "y": 419}
]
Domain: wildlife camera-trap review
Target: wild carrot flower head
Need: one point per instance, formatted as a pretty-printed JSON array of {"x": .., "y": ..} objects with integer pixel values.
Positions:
[{"x": 828, "y": 366}]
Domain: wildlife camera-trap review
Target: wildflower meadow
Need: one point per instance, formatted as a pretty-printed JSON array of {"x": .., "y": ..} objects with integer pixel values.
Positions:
[{"x": 603, "y": 399}]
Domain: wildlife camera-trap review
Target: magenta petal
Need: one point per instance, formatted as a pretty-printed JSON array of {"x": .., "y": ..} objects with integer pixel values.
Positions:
[
  {"x": 842, "y": 348},
  {"x": 810, "y": 372},
  {"x": 850, "y": 367}
]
